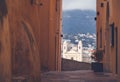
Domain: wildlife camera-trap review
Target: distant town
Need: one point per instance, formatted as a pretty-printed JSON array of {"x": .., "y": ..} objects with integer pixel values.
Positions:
[{"x": 78, "y": 47}]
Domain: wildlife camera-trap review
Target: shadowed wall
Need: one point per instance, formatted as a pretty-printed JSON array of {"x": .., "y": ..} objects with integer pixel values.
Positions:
[{"x": 29, "y": 38}]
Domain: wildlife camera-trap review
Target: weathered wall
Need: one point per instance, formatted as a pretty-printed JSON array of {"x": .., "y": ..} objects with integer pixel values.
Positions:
[
  {"x": 55, "y": 35},
  {"x": 115, "y": 15},
  {"x": 103, "y": 36},
  {"x": 5, "y": 50},
  {"x": 24, "y": 37},
  {"x": 110, "y": 12},
  {"x": 30, "y": 33},
  {"x": 50, "y": 31}
]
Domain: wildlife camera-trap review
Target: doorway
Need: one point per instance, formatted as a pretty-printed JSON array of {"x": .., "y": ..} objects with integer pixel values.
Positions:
[{"x": 116, "y": 34}]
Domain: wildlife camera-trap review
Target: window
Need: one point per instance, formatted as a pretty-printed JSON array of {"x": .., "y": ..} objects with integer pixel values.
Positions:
[
  {"x": 36, "y": 2},
  {"x": 116, "y": 34},
  {"x": 64, "y": 47},
  {"x": 97, "y": 39},
  {"x": 102, "y": 4},
  {"x": 31, "y": 1},
  {"x": 112, "y": 35},
  {"x": 98, "y": 13},
  {"x": 72, "y": 58},
  {"x": 107, "y": 12},
  {"x": 100, "y": 38}
]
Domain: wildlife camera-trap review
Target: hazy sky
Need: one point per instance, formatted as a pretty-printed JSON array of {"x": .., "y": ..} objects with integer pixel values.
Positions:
[{"x": 79, "y": 4}]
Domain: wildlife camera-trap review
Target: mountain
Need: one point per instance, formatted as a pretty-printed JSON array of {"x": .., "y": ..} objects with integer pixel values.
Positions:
[{"x": 78, "y": 21}]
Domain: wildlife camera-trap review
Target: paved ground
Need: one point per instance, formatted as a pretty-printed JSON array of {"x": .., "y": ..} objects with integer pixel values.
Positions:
[{"x": 77, "y": 76}]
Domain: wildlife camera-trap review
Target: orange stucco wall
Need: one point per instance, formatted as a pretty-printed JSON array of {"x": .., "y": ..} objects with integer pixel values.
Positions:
[
  {"x": 102, "y": 25},
  {"x": 5, "y": 50},
  {"x": 109, "y": 14},
  {"x": 30, "y": 39},
  {"x": 30, "y": 33},
  {"x": 55, "y": 35}
]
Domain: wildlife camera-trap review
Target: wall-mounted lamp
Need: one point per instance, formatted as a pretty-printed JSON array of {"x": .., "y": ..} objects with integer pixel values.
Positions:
[{"x": 95, "y": 18}]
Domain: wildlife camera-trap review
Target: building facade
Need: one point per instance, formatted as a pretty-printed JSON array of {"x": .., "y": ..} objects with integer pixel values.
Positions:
[
  {"x": 108, "y": 34},
  {"x": 72, "y": 51},
  {"x": 30, "y": 38}
]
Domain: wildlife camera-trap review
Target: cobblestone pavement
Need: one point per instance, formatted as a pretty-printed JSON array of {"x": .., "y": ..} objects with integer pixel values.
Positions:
[{"x": 77, "y": 76}]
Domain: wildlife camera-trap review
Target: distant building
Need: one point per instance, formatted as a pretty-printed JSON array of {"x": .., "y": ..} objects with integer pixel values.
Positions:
[{"x": 72, "y": 51}]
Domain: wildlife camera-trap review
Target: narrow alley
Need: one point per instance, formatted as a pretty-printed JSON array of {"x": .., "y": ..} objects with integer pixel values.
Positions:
[
  {"x": 30, "y": 42},
  {"x": 78, "y": 76}
]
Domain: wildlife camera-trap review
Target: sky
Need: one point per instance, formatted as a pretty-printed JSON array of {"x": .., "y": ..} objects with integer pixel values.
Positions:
[{"x": 79, "y": 4}]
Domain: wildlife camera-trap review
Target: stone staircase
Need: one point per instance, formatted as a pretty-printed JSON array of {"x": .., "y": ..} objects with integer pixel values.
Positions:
[{"x": 77, "y": 76}]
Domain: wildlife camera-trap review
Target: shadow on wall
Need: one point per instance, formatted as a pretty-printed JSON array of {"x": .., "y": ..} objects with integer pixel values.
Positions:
[
  {"x": 71, "y": 65},
  {"x": 3, "y": 10}
]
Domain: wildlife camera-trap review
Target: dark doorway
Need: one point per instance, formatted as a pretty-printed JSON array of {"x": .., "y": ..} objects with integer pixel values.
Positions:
[{"x": 116, "y": 33}]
